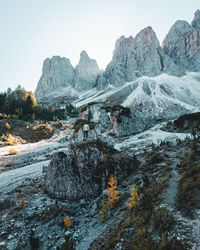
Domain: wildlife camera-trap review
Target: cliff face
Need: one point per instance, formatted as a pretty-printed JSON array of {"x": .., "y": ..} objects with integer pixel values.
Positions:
[
  {"x": 86, "y": 73},
  {"x": 58, "y": 72},
  {"x": 138, "y": 56},
  {"x": 182, "y": 44}
]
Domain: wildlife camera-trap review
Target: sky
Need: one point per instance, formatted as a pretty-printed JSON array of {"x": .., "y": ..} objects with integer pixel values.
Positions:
[{"x": 32, "y": 30}]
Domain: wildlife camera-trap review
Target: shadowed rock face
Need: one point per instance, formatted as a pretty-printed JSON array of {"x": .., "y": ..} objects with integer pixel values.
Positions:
[
  {"x": 86, "y": 72},
  {"x": 182, "y": 44},
  {"x": 83, "y": 171},
  {"x": 56, "y": 72},
  {"x": 196, "y": 20}
]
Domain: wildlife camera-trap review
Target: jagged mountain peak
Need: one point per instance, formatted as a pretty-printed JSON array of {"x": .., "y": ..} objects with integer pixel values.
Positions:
[
  {"x": 180, "y": 27},
  {"x": 84, "y": 55},
  {"x": 196, "y": 20},
  {"x": 148, "y": 34},
  {"x": 182, "y": 44},
  {"x": 56, "y": 72},
  {"x": 132, "y": 58}
]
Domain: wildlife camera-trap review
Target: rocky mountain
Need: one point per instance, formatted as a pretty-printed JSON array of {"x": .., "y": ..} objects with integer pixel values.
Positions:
[
  {"x": 182, "y": 44},
  {"x": 143, "y": 102},
  {"x": 150, "y": 79},
  {"x": 58, "y": 73},
  {"x": 142, "y": 55}
]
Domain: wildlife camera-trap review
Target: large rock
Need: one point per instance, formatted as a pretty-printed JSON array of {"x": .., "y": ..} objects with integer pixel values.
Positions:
[
  {"x": 182, "y": 44},
  {"x": 84, "y": 170},
  {"x": 57, "y": 72}
]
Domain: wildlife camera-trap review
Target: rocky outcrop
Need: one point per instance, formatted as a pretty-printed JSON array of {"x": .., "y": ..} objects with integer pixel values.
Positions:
[
  {"x": 86, "y": 73},
  {"x": 84, "y": 170},
  {"x": 56, "y": 72},
  {"x": 196, "y": 20},
  {"x": 182, "y": 44},
  {"x": 142, "y": 55}
]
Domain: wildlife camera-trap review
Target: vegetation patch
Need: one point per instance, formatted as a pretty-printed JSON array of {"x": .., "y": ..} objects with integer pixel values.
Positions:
[
  {"x": 185, "y": 121},
  {"x": 12, "y": 151},
  {"x": 188, "y": 190}
]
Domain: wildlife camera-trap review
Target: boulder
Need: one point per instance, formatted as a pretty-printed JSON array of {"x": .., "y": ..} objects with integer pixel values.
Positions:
[{"x": 84, "y": 170}]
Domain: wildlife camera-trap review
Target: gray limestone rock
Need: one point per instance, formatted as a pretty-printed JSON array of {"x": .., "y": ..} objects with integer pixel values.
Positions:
[
  {"x": 86, "y": 73},
  {"x": 83, "y": 173},
  {"x": 138, "y": 56},
  {"x": 196, "y": 20},
  {"x": 57, "y": 72},
  {"x": 182, "y": 44}
]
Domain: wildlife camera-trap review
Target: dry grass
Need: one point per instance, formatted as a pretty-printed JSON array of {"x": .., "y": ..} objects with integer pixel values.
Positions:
[{"x": 12, "y": 151}]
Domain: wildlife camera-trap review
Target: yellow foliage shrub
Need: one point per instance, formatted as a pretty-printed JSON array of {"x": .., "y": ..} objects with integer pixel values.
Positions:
[
  {"x": 112, "y": 193},
  {"x": 7, "y": 126},
  {"x": 134, "y": 198},
  {"x": 13, "y": 151},
  {"x": 10, "y": 139},
  {"x": 67, "y": 221}
]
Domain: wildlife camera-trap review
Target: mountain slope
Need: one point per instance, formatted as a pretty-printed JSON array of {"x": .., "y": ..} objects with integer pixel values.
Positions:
[{"x": 163, "y": 96}]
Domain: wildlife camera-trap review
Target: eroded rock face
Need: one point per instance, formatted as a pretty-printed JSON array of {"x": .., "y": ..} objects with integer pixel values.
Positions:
[
  {"x": 83, "y": 171},
  {"x": 196, "y": 20},
  {"x": 57, "y": 72},
  {"x": 86, "y": 73},
  {"x": 182, "y": 44},
  {"x": 138, "y": 56}
]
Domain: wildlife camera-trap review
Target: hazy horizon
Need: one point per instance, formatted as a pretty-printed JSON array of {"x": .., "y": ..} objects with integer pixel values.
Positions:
[{"x": 32, "y": 31}]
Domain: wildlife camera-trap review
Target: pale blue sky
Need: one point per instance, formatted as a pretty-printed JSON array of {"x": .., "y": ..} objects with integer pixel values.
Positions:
[{"x": 32, "y": 30}]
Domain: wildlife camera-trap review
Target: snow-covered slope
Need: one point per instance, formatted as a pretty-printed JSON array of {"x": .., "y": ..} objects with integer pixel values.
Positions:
[{"x": 156, "y": 95}]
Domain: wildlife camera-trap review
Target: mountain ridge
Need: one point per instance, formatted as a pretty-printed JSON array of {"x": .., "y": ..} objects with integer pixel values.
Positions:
[{"x": 132, "y": 58}]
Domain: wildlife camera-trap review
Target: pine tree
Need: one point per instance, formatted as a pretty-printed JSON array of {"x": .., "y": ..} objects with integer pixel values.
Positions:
[
  {"x": 67, "y": 221},
  {"x": 134, "y": 198},
  {"x": 112, "y": 193}
]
